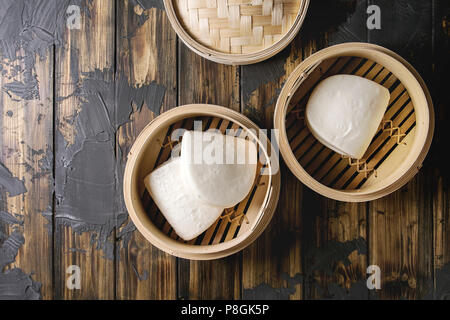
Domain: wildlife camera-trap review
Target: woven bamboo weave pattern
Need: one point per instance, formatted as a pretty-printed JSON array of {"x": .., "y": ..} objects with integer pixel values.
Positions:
[{"x": 237, "y": 26}]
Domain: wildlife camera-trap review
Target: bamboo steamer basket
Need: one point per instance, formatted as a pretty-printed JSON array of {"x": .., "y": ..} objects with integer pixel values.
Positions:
[
  {"x": 237, "y": 227},
  {"x": 236, "y": 32},
  {"x": 399, "y": 147}
]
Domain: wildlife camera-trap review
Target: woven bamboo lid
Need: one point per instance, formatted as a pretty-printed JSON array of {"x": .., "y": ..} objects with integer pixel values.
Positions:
[{"x": 236, "y": 32}]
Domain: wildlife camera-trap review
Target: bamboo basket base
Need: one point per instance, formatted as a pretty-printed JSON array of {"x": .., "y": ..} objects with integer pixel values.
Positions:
[
  {"x": 328, "y": 167},
  {"x": 233, "y": 221}
]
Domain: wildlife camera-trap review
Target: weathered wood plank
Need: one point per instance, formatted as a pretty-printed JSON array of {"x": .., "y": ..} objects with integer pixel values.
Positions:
[
  {"x": 272, "y": 265},
  {"x": 202, "y": 81},
  {"x": 146, "y": 53},
  {"x": 26, "y": 142},
  {"x": 441, "y": 287},
  {"x": 84, "y": 154},
  {"x": 438, "y": 158},
  {"x": 401, "y": 225},
  {"x": 335, "y": 249},
  {"x": 333, "y": 240},
  {"x": 400, "y": 240}
]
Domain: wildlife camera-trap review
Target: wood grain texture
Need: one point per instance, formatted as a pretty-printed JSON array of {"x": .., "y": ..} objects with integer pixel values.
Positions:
[
  {"x": 400, "y": 240},
  {"x": 437, "y": 161},
  {"x": 335, "y": 249},
  {"x": 272, "y": 265},
  {"x": 82, "y": 51},
  {"x": 401, "y": 225},
  {"x": 26, "y": 139},
  {"x": 203, "y": 81},
  {"x": 146, "y": 53}
]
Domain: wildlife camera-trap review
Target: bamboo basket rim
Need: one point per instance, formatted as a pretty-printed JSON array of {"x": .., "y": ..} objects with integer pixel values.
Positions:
[
  {"x": 418, "y": 92},
  {"x": 152, "y": 233},
  {"x": 235, "y": 59}
]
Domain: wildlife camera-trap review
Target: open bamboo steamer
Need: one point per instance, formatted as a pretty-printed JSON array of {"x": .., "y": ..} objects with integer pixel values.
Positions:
[
  {"x": 236, "y": 32},
  {"x": 398, "y": 149},
  {"x": 236, "y": 228}
]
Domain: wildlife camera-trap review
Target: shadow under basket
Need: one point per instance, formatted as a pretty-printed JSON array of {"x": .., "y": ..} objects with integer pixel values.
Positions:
[
  {"x": 236, "y": 32},
  {"x": 237, "y": 227},
  {"x": 397, "y": 150}
]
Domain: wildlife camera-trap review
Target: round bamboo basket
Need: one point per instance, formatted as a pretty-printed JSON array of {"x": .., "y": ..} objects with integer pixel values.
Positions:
[
  {"x": 399, "y": 147},
  {"x": 237, "y": 227},
  {"x": 236, "y": 32}
]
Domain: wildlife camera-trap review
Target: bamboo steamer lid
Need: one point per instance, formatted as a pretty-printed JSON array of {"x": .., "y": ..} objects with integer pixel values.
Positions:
[
  {"x": 398, "y": 149},
  {"x": 236, "y": 32},
  {"x": 237, "y": 227}
]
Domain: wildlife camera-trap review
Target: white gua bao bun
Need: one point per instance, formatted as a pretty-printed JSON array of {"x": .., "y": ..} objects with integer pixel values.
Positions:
[
  {"x": 219, "y": 169},
  {"x": 345, "y": 111},
  {"x": 214, "y": 172},
  {"x": 185, "y": 213}
]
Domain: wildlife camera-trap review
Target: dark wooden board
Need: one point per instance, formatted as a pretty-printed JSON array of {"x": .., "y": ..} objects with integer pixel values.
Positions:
[
  {"x": 439, "y": 172},
  {"x": 146, "y": 57},
  {"x": 85, "y": 54},
  {"x": 403, "y": 250},
  {"x": 27, "y": 147}
]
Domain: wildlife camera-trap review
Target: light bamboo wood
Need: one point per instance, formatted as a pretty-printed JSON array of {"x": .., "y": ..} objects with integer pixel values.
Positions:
[
  {"x": 236, "y": 228},
  {"x": 236, "y": 32},
  {"x": 76, "y": 56},
  {"x": 398, "y": 149}
]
